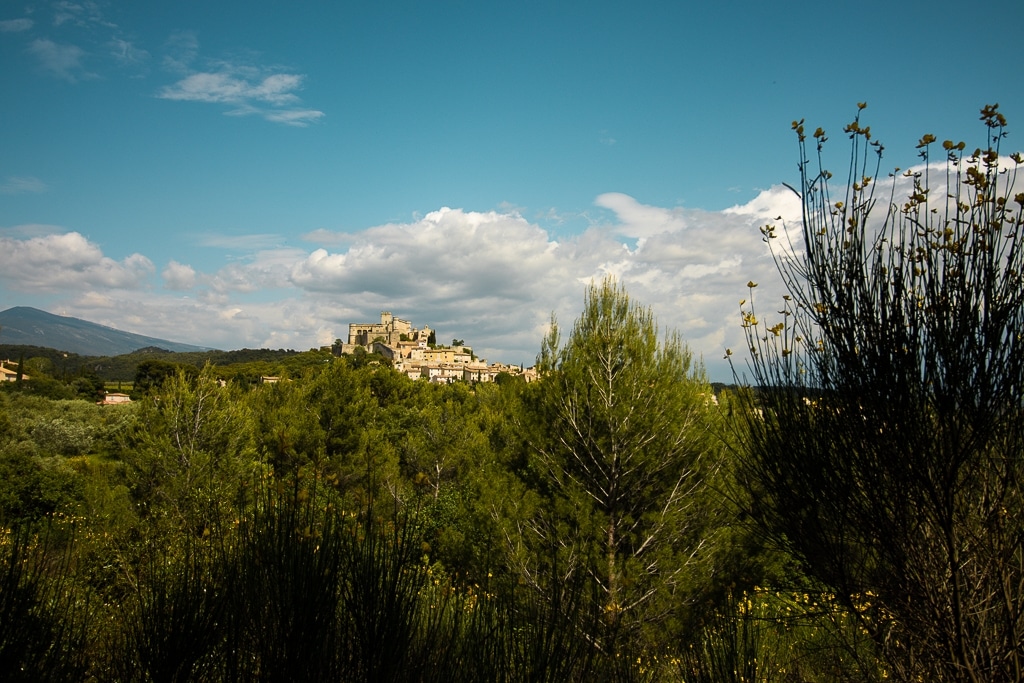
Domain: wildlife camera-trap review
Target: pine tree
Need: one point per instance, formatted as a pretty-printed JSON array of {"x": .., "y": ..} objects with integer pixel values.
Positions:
[{"x": 618, "y": 434}]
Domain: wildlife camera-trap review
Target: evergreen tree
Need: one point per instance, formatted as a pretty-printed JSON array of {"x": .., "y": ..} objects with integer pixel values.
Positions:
[{"x": 618, "y": 439}]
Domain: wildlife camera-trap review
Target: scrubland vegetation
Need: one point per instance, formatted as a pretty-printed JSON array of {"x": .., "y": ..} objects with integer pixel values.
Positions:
[{"x": 856, "y": 516}]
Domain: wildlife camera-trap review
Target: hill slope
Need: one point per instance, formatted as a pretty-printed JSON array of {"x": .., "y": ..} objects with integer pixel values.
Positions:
[{"x": 30, "y": 326}]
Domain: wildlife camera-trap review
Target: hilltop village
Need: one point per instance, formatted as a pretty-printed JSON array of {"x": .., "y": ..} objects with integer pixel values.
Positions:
[{"x": 415, "y": 353}]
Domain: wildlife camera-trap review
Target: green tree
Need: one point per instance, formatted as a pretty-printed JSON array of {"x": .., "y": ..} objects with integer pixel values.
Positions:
[
  {"x": 151, "y": 374},
  {"x": 334, "y": 423},
  {"x": 885, "y": 444},
  {"x": 619, "y": 443},
  {"x": 88, "y": 385},
  {"x": 190, "y": 450},
  {"x": 442, "y": 439},
  {"x": 39, "y": 366}
]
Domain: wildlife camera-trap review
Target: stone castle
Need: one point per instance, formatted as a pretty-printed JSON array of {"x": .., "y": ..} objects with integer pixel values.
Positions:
[
  {"x": 410, "y": 351},
  {"x": 389, "y": 330}
]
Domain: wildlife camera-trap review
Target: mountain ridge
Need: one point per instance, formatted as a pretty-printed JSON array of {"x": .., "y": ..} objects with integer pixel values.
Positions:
[{"x": 33, "y": 327}]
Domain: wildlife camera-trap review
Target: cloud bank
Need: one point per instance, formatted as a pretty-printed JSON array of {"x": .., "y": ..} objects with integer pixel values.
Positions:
[
  {"x": 492, "y": 278},
  {"x": 67, "y": 262}
]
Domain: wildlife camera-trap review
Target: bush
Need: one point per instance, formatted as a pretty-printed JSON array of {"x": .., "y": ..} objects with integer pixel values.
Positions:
[{"x": 885, "y": 445}]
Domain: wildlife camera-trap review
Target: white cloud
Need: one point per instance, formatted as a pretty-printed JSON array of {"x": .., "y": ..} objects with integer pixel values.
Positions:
[
  {"x": 294, "y": 117},
  {"x": 53, "y": 263},
  {"x": 780, "y": 200},
  {"x": 15, "y": 25},
  {"x": 225, "y": 87},
  {"x": 263, "y": 270},
  {"x": 179, "y": 276},
  {"x": 247, "y": 90},
  {"x": 79, "y": 13},
  {"x": 290, "y": 324},
  {"x": 492, "y": 278},
  {"x": 640, "y": 220},
  {"x": 455, "y": 252},
  {"x": 63, "y": 61}
]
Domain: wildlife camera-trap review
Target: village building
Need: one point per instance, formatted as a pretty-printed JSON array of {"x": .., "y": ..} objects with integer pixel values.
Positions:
[
  {"x": 410, "y": 352},
  {"x": 9, "y": 372},
  {"x": 480, "y": 372},
  {"x": 446, "y": 355},
  {"x": 441, "y": 373}
]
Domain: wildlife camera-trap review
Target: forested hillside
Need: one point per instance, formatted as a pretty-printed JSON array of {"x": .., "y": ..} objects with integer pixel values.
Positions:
[{"x": 239, "y": 365}]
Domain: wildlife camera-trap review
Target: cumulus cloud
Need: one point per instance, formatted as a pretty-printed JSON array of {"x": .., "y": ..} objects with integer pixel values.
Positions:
[
  {"x": 639, "y": 220},
  {"x": 265, "y": 270},
  {"x": 495, "y": 277},
  {"x": 285, "y": 323},
  {"x": 179, "y": 276},
  {"x": 457, "y": 251},
  {"x": 53, "y": 263},
  {"x": 262, "y": 270},
  {"x": 778, "y": 201},
  {"x": 492, "y": 278}
]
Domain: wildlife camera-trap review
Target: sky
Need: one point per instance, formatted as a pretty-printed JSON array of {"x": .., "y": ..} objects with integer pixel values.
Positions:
[{"x": 262, "y": 173}]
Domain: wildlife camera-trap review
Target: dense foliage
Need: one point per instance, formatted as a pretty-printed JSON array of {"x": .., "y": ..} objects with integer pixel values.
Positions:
[{"x": 350, "y": 523}]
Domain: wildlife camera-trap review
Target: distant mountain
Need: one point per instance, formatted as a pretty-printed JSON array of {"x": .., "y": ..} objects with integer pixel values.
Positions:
[{"x": 30, "y": 326}]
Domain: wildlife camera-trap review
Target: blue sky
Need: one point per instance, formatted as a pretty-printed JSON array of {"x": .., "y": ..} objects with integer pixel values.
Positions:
[{"x": 263, "y": 173}]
